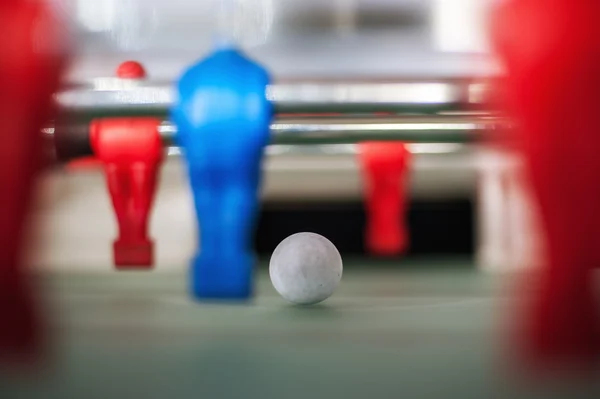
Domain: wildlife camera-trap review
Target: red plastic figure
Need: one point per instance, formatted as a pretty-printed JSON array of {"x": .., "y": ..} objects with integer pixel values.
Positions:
[
  {"x": 385, "y": 168},
  {"x": 552, "y": 86},
  {"x": 131, "y": 151},
  {"x": 30, "y": 66}
]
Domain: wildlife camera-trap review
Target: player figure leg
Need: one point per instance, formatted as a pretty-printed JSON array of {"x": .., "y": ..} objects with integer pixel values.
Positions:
[
  {"x": 227, "y": 202},
  {"x": 143, "y": 179},
  {"x": 132, "y": 190}
]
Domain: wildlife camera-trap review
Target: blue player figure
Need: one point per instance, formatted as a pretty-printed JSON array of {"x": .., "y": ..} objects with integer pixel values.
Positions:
[{"x": 223, "y": 117}]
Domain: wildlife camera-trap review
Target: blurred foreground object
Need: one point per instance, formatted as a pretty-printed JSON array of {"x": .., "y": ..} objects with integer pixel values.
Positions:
[
  {"x": 552, "y": 92},
  {"x": 30, "y": 66}
]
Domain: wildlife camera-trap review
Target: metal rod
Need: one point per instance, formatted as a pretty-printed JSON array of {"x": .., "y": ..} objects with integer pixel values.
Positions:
[
  {"x": 337, "y": 130},
  {"x": 71, "y": 140},
  {"x": 107, "y": 97},
  {"x": 349, "y": 149},
  {"x": 457, "y": 129},
  {"x": 306, "y": 113}
]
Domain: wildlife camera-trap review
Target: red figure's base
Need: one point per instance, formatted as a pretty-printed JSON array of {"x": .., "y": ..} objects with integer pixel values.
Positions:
[{"x": 133, "y": 255}]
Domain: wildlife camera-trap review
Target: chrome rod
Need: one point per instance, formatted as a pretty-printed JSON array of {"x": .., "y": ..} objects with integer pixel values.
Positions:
[
  {"x": 71, "y": 140},
  {"x": 119, "y": 97},
  {"x": 306, "y": 113},
  {"x": 328, "y": 150},
  {"x": 336, "y": 130}
]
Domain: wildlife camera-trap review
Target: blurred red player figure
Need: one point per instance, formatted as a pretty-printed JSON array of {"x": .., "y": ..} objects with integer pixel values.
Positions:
[
  {"x": 552, "y": 86},
  {"x": 385, "y": 167},
  {"x": 131, "y": 151},
  {"x": 30, "y": 66}
]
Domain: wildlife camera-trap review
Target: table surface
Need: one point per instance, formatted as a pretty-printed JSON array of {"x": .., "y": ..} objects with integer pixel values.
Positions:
[{"x": 415, "y": 328}]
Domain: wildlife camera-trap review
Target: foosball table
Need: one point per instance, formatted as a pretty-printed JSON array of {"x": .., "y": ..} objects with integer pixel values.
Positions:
[{"x": 176, "y": 172}]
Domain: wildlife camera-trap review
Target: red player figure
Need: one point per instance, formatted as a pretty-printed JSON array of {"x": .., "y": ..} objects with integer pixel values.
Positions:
[
  {"x": 385, "y": 167},
  {"x": 552, "y": 86},
  {"x": 131, "y": 151},
  {"x": 30, "y": 66}
]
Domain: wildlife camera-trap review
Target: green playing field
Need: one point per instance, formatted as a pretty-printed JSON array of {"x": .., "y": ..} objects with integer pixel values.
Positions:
[{"x": 418, "y": 328}]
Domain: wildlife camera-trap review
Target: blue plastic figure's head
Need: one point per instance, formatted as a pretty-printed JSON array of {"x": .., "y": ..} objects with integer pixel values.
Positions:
[{"x": 224, "y": 87}]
